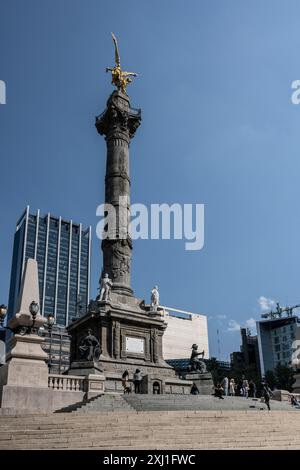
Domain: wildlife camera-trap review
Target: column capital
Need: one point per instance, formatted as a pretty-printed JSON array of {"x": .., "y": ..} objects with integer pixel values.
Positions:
[{"x": 119, "y": 120}]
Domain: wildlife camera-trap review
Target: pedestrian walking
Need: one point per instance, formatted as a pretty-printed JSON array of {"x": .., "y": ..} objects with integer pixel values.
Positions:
[{"x": 266, "y": 394}]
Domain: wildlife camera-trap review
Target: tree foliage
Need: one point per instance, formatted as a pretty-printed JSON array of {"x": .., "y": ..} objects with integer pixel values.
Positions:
[{"x": 282, "y": 378}]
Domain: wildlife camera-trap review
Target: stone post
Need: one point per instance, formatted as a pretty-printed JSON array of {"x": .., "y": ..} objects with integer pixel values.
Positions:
[
  {"x": 118, "y": 123},
  {"x": 25, "y": 372}
]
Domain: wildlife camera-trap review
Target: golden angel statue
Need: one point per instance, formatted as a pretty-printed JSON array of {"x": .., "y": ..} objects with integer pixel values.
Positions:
[{"x": 119, "y": 78}]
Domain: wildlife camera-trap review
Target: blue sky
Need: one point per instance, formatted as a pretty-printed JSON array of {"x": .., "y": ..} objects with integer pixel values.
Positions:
[{"x": 218, "y": 128}]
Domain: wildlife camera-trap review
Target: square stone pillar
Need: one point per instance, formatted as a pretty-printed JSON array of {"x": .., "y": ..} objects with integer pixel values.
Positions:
[
  {"x": 24, "y": 377},
  {"x": 95, "y": 385}
]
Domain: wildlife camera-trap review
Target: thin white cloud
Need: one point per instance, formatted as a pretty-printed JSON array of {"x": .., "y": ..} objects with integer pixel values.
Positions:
[
  {"x": 221, "y": 317},
  {"x": 233, "y": 326},
  {"x": 251, "y": 323},
  {"x": 266, "y": 304}
]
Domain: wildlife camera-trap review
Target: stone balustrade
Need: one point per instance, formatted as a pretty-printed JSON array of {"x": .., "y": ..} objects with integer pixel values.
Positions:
[{"x": 72, "y": 383}]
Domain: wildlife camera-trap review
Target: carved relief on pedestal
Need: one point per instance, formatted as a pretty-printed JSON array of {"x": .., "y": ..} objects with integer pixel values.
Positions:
[
  {"x": 117, "y": 260},
  {"x": 154, "y": 342},
  {"x": 116, "y": 339}
]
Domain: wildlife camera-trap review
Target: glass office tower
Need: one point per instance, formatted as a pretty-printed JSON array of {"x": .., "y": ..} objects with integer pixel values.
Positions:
[{"x": 63, "y": 253}]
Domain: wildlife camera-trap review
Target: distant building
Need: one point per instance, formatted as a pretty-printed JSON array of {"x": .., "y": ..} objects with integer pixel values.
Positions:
[
  {"x": 275, "y": 341},
  {"x": 248, "y": 356},
  {"x": 184, "y": 328},
  {"x": 63, "y": 252}
]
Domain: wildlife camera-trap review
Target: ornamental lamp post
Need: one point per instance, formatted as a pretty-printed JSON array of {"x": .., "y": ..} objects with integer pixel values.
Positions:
[
  {"x": 3, "y": 313},
  {"x": 34, "y": 310},
  {"x": 50, "y": 323}
]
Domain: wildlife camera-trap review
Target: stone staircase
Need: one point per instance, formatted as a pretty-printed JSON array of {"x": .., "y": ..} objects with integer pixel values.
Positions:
[
  {"x": 119, "y": 430},
  {"x": 140, "y": 402},
  {"x": 198, "y": 402},
  {"x": 104, "y": 402}
]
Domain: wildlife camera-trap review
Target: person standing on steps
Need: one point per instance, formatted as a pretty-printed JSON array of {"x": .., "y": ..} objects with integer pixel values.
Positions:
[
  {"x": 194, "y": 389},
  {"x": 245, "y": 388},
  {"x": 224, "y": 384},
  {"x": 137, "y": 380},
  {"x": 252, "y": 389},
  {"x": 125, "y": 382},
  {"x": 232, "y": 388}
]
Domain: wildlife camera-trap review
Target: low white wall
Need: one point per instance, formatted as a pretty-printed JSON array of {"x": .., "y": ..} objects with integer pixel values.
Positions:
[{"x": 20, "y": 400}]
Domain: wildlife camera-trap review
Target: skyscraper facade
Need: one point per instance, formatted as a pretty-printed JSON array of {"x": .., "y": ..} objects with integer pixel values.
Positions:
[
  {"x": 63, "y": 253},
  {"x": 276, "y": 341}
]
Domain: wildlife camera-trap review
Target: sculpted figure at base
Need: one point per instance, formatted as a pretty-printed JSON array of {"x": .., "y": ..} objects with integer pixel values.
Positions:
[
  {"x": 89, "y": 347},
  {"x": 195, "y": 363},
  {"x": 154, "y": 298},
  {"x": 105, "y": 287}
]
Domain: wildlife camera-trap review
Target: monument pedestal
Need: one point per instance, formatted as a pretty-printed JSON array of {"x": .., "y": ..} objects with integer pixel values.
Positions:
[
  {"x": 203, "y": 382},
  {"x": 24, "y": 379},
  {"x": 130, "y": 338},
  {"x": 85, "y": 368}
]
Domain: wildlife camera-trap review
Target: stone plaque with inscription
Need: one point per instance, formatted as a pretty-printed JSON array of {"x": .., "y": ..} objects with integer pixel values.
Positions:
[{"x": 135, "y": 345}]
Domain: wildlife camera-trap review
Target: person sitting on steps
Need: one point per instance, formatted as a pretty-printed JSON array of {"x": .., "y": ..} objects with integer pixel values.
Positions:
[{"x": 219, "y": 391}]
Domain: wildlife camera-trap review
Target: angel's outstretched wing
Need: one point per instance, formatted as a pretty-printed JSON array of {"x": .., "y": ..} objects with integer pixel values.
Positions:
[{"x": 117, "y": 55}]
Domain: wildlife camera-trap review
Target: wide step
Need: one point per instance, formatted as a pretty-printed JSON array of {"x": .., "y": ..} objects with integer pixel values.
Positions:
[{"x": 118, "y": 430}]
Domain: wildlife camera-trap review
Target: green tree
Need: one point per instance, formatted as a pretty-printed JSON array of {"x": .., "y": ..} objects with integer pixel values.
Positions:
[
  {"x": 270, "y": 379},
  {"x": 284, "y": 377}
]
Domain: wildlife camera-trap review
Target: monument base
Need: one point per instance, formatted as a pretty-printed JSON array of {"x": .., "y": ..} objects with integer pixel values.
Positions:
[
  {"x": 203, "y": 382},
  {"x": 130, "y": 336},
  {"x": 24, "y": 379},
  {"x": 85, "y": 368}
]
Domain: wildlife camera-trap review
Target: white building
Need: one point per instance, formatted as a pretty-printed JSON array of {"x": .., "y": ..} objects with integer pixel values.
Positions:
[{"x": 184, "y": 329}]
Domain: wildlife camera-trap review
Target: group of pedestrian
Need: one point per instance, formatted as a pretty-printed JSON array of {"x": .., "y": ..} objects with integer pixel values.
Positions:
[
  {"x": 243, "y": 388},
  {"x": 137, "y": 381}
]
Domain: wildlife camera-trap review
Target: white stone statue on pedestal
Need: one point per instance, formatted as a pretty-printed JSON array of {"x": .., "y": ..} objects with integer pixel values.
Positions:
[
  {"x": 106, "y": 285},
  {"x": 154, "y": 299}
]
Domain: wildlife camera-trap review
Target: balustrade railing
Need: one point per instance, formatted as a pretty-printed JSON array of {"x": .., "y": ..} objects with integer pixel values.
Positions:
[{"x": 70, "y": 383}]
